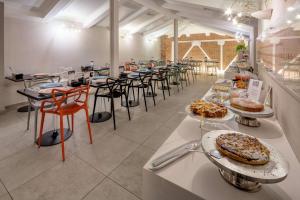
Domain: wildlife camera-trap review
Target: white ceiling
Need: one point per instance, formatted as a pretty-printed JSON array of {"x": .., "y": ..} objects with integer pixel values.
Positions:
[{"x": 148, "y": 17}]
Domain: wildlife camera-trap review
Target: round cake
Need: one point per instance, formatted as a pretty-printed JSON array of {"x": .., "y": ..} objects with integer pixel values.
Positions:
[
  {"x": 207, "y": 109},
  {"x": 246, "y": 105},
  {"x": 243, "y": 148}
]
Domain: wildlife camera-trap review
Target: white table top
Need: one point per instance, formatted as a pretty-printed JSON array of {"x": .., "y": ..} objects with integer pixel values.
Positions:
[{"x": 195, "y": 174}]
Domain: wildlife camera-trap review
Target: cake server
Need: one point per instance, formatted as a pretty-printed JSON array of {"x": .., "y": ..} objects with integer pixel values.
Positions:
[{"x": 174, "y": 154}]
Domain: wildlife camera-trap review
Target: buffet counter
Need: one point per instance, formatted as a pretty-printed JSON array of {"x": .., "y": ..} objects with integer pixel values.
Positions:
[{"x": 194, "y": 176}]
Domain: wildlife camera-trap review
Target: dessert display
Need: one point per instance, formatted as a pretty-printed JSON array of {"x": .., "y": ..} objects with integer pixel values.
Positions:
[
  {"x": 243, "y": 148},
  {"x": 221, "y": 88},
  {"x": 238, "y": 93},
  {"x": 218, "y": 98},
  {"x": 246, "y": 105},
  {"x": 208, "y": 109},
  {"x": 242, "y": 77},
  {"x": 222, "y": 85},
  {"x": 243, "y": 160},
  {"x": 242, "y": 65}
]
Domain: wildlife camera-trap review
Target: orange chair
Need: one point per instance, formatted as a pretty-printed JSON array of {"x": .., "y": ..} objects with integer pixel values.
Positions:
[{"x": 66, "y": 102}]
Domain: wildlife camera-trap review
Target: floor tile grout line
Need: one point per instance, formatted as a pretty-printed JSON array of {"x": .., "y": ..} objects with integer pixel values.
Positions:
[
  {"x": 39, "y": 174},
  {"x": 6, "y": 189},
  {"x": 108, "y": 175},
  {"x": 123, "y": 187},
  {"x": 93, "y": 188}
]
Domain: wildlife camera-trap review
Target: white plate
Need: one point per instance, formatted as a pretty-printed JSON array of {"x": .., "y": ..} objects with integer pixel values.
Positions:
[
  {"x": 227, "y": 117},
  {"x": 267, "y": 112},
  {"x": 49, "y": 90}
]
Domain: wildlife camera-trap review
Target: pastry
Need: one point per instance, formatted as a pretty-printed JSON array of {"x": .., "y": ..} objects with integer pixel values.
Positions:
[
  {"x": 221, "y": 88},
  {"x": 207, "y": 109},
  {"x": 241, "y": 84},
  {"x": 246, "y": 105},
  {"x": 218, "y": 98},
  {"x": 243, "y": 148}
]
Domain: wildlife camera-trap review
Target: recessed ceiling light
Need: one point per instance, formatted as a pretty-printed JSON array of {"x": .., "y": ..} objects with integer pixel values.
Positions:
[
  {"x": 229, "y": 18},
  {"x": 289, "y": 21},
  {"x": 240, "y": 14},
  {"x": 290, "y": 9}
]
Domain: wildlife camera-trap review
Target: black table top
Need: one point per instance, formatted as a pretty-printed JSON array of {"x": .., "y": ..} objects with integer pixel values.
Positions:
[
  {"x": 101, "y": 69},
  {"x": 34, "y": 94},
  {"x": 25, "y": 77},
  {"x": 28, "y": 77}
]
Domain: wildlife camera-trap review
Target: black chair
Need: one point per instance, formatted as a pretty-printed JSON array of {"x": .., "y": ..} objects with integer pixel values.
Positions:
[
  {"x": 114, "y": 88},
  {"x": 184, "y": 76},
  {"x": 144, "y": 82},
  {"x": 162, "y": 77},
  {"x": 174, "y": 76}
]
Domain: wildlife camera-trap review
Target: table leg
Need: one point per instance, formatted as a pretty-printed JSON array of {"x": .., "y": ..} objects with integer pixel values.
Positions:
[{"x": 28, "y": 114}]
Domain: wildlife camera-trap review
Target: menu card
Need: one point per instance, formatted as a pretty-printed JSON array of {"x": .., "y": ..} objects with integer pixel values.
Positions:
[{"x": 254, "y": 89}]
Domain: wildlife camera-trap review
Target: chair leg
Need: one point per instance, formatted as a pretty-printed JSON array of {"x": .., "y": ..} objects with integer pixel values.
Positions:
[
  {"x": 153, "y": 96},
  {"x": 186, "y": 79},
  {"x": 95, "y": 102},
  {"x": 62, "y": 137},
  {"x": 28, "y": 115},
  {"x": 72, "y": 119},
  {"x": 41, "y": 129},
  {"x": 168, "y": 87},
  {"x": 145, "y": 99},
  {"x": 89, "y": 124},
  {"x": 162, "y": 85},
  {"x": 138, "y": 97},
  {"x": 181, "y": 84},
  {"x": 154, "y": 88},
  {"x": 113, "y": 112},
  {"x": 132, "y": 88},
  {"x": 121, "y": 94},
  {"x": 126, "y": 97}
]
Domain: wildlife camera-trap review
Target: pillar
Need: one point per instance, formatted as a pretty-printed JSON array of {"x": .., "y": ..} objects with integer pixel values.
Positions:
[
  {"x": 252, "y": 44},
  {"x": 114, "y": 37},
  {"x": 221, "y": 44},
  {"x": 175, "y": 40}
]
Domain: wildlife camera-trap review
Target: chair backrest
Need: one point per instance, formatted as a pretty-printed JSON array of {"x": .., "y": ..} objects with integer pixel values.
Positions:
[
  {"x": 111, "y": 84},
  {"x": 145, "y": 78},
  {"x": 162, "y": 73},
  {"x": 78, "y": 94}
]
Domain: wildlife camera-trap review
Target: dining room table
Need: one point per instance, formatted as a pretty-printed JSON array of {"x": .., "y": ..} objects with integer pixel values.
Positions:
[
  {"x": 27, "y": 79},
  {"x": 49, "y": 138}
]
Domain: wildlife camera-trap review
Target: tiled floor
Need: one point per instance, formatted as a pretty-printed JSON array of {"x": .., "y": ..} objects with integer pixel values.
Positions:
[{"x": 109, "y": 169}]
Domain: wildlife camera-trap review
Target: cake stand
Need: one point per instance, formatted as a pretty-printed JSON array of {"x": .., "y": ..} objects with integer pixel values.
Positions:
[
  {"x": 244, "y": 176},
  {"x": 250, "y": 118}
]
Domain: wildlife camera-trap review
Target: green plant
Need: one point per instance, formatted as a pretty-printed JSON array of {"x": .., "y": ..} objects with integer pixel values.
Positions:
[{"x": 240, "y": 47}]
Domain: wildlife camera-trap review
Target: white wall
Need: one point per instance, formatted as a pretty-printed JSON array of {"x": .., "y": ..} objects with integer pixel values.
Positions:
[{"x": 33, "y": 47}]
